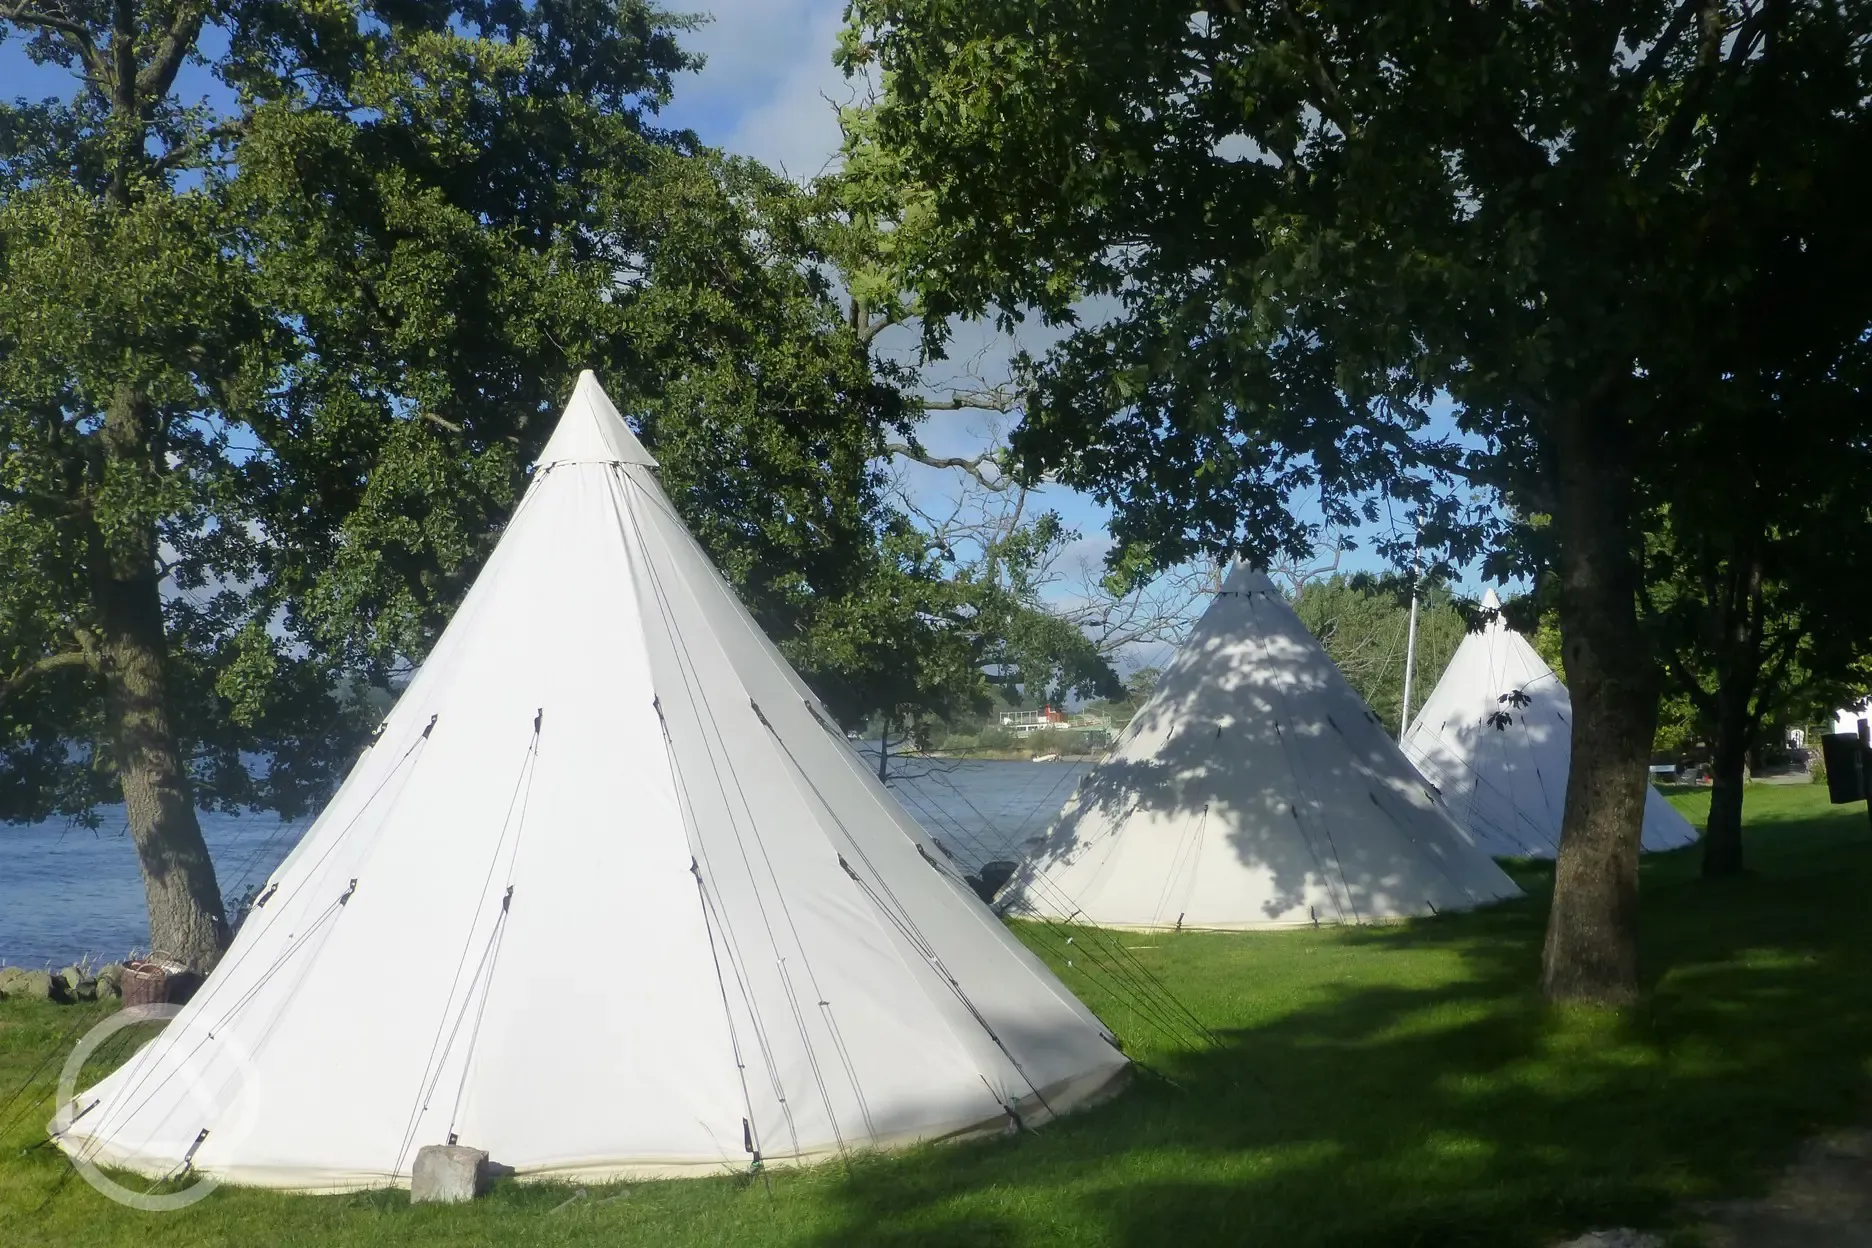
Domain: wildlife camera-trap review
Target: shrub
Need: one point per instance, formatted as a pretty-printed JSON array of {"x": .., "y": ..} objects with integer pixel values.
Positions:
[
  {"x": 992, "y": 738},
  {"x": 1086, "y": 741}
]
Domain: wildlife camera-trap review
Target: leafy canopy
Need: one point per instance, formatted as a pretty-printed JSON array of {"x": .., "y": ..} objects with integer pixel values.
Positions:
[
  {"x": 354, "y": 291},
  {"x": 1281, "y": 231}
]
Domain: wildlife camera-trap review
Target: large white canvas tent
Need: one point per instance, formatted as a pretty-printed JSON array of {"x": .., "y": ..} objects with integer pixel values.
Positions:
[
  {"x": 608, "y": 897},
  {"x": 1495, "y": 738},
  {"x": 1253, "y": 789}
]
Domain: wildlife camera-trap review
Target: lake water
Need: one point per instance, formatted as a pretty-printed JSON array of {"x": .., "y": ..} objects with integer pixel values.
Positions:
[{"x": 67, "y": 890}]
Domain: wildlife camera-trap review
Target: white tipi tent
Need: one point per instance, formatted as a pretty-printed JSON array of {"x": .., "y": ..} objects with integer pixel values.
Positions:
[
  {"x": 608, "y": 897},
  {"x": 1254, "y": 789},
  {"x": 1495, "y": 738}
]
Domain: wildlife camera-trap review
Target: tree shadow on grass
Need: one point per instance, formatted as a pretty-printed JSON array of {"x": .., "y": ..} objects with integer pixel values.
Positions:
[{"x": 1405, "y": 1085}]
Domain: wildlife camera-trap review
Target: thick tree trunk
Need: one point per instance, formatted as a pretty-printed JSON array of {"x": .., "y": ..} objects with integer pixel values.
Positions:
[
  {"x": 1591, "y": 953},
  {"x": 187, "y": 921}
]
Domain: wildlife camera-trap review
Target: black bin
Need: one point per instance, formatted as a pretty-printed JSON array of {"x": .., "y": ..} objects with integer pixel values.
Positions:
[{"x": 1845, "y": 756}]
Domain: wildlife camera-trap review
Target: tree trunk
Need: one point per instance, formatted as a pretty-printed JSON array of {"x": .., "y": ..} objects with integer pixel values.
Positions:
[
  {"x": 884, "y": 751},
  {"x": 1738, "y": 677},
  {"x": 187, "y": 921},
  {"x": 1722, "y": 832},
  {"x": 1591, "y": 952}
]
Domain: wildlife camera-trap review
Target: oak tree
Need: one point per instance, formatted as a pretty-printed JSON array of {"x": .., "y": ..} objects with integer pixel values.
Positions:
[{"x": 1293, "y": 227}]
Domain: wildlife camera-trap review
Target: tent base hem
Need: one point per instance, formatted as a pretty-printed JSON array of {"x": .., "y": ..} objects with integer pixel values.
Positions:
[
  {"x": 1065, "y": 1096},
  {"x": 1268, "y": 925}
]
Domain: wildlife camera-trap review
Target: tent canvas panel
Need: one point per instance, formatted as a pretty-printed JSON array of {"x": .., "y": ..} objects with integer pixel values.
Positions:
[{"x": 867, "y": 819}]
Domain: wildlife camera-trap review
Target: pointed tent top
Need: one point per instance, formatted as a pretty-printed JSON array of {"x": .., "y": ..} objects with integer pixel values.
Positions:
[
  {"x": 1245, "y": 578},
  {"x": 1490, "y": 601},
  {"x": 592, "y": 432}
]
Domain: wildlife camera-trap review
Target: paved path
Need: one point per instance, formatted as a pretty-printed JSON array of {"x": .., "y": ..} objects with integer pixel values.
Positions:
[{"x": 1824, "y": 1200}]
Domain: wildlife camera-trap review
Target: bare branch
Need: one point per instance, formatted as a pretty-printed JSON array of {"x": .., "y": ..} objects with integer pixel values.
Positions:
[
  {"x": 991, "y": 400},
  {"x": 1298, "y": 575},
  {"x": 975, "y": 466},
  {"x": 1161, "y": 611}
]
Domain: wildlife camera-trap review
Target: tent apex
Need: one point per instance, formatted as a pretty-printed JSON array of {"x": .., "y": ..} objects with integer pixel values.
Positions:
[
  {"x": 592, "y": 432},
  {"x": 1245, "y": 578}
]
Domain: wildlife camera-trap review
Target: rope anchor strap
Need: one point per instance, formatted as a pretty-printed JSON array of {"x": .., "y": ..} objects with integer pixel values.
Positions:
[{"x": 75, "y": 1117}]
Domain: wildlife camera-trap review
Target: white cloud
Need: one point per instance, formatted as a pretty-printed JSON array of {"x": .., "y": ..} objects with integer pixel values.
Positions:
[
  {"x": 796, "y": 129},
  {"x": 767, "y": 88}
]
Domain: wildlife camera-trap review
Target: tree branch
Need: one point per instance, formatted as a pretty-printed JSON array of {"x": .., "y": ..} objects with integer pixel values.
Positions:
[
  {"x": 201, "y": 142},
  {"x": 1752, "y": 31},
  {"x": 178, "y": 41},
  {"x": 1682, "y": 124},
  {"x": 1653, "y": 63},
  {"x": 123, "y": 56},
  {"x": 971, "y": 401},
  {"x": 45, "y": 504},
  {"x": 76, "y": 35},
  {"x": 40, "y": 667},
  {"x": 1679, "y": 671},
  {"x": 972, "y": 465},
  {"x": 1768, "y": 690},
  {"x": 869, "y": 329},
  {"x": 50, "y": 21},
  {"x": 1332, "y": 104}
]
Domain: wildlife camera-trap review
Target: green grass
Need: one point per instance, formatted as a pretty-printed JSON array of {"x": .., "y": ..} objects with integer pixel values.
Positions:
[{"x": 1383, "y": 1086}]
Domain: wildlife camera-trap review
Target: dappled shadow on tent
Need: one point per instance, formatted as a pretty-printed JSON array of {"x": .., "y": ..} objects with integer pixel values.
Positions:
[
  {"x": 1494, "y": 737},
  {"x": 1254, "y": 745},
  {"x": 1405, "y": 1085},
  {"x": 1488, "y": 768}
]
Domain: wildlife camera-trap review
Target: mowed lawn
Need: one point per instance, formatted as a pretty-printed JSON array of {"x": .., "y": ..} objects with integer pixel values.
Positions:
[{"x": 1378, "y": 1086}]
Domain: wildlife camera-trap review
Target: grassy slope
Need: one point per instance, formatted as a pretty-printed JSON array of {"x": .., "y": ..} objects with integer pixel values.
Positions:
[{"x": 1372, "y": 1087}]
